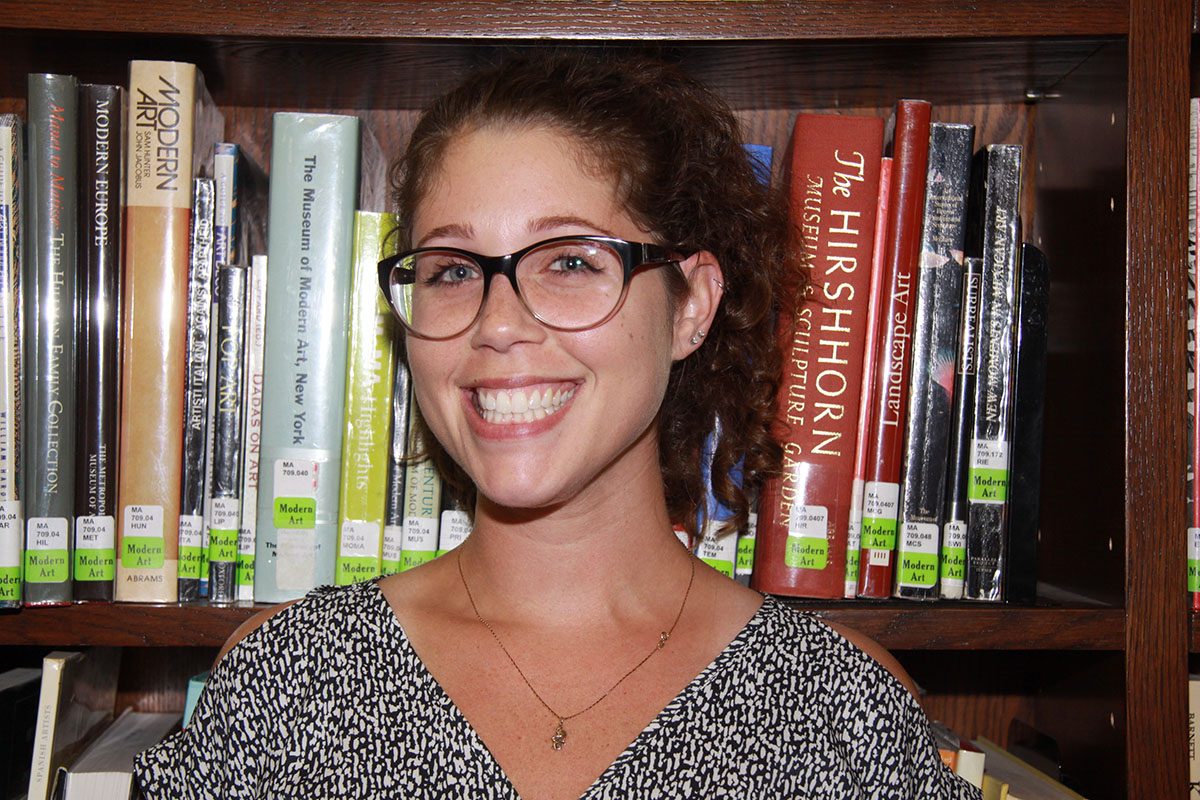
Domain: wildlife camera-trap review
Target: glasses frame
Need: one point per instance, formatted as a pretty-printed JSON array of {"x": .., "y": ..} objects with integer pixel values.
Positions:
[{"x": 634, "y": 256}]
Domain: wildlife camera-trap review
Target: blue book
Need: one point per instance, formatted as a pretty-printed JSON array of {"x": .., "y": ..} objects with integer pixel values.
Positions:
[{"x": 314, "y": 192}]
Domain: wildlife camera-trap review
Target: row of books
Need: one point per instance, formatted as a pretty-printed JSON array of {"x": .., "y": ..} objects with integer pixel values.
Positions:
[
  {"x": 914, "y": 369},
  {"x": 1002, "y": 774},
  {"x": 149, "y": 374}
]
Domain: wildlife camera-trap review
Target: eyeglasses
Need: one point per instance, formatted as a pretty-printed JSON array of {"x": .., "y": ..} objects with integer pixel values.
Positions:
[{"x": 568, "y": 283}]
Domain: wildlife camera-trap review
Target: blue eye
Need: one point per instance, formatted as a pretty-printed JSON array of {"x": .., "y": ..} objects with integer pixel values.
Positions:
[{"x": 452, "y": 273}]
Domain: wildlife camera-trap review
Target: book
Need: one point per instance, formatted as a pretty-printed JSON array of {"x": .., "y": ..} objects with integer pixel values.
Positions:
[
  {"x": 256, "y": 334},
  {"x": 238, "y": 235},
  {"x": 455, "y": 524},
  {"x": 75, "y": 703},
  {"x": 12, "y": 525},
  {"x": 1193, "y": 700},
  {"x": 423, "y": 497},
  {"x": 1024, "y": 781},
  {"x": 173, "y": 125},
  {"x": 397, "y": 478},
  {"x": 19, "y": 689},
  {"x": 314, "y": 191},
  {"x": 1029, "y": 395},
  {"x": 953, "y": 559},
  {"x": 934, "y": 345},
  {"x": 49, "y": 288},
  {"x": 1193, "y": 350},
  {"x": 198, "y": 388},
  {"x": 881, "y": 490},
  {"x": 225, "y": 502},
  {"x": 102, "y": 112},
  {"x": 715, "y": 546},
  {"x": 870, "y": 347},
  {"x": 368, "y": 415},
  {"x": 743, "y": 568},
  {"x": 194, "y": 689},
  {"x": 993, "y": 234},
  {"x": 804, "y": 513},
  {"x": 104, "y": 771}
]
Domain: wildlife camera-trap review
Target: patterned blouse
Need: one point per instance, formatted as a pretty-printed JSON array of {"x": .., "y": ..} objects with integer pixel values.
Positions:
[{"x": 328, "y": 699}]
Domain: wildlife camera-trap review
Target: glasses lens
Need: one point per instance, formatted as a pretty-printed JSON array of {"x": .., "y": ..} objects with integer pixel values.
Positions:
[
  {"x": 571, "y": 284},
  {"x": 437, "y": 293}
]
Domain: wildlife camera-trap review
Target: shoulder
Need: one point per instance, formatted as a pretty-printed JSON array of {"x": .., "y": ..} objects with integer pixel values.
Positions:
[
  {"x": 303, "y": 621},
  {"x": 834, "y": 654}
]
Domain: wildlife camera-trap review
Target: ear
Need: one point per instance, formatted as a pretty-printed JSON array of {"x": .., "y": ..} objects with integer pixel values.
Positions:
[{"x": 694, "y": 315}]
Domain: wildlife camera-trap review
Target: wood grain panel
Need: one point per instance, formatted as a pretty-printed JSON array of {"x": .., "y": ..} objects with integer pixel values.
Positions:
[{"x": 575, "y": 19}]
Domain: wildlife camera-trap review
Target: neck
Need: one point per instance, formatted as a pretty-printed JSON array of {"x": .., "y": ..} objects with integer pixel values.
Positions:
[{"x": 606, "y": 555}]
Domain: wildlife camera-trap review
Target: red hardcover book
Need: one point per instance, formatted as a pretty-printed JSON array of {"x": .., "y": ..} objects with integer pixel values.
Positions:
[
  {"x": 881, "y": 494},
  {"x": 804, "y": 513}
]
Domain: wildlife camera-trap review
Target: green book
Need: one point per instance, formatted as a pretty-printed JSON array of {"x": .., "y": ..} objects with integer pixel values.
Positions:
[
  {"x": 422, "y": 500},
  {"x": 314, "y": 191},
  {"x": 49, "y": 359},
  {"x": 366, "y": 442}
]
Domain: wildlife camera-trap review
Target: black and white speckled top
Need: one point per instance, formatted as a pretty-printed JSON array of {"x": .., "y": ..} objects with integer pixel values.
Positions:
[{"x": 329, "y": 699}]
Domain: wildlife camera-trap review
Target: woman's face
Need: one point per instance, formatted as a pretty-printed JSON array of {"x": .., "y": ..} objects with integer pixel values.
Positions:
[{"x": 598, "y": 390}]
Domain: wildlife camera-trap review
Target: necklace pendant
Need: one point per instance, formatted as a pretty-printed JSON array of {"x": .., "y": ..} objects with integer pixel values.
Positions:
[
  {"x": 662, "y": 639},
  {"x": 560, "y": 737}
]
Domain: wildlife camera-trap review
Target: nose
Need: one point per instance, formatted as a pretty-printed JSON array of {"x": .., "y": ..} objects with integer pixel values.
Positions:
[{"x": 504, "y": 320}]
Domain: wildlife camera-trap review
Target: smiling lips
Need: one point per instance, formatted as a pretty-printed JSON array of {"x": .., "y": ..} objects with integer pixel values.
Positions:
[{"x": 513, "y": 406}]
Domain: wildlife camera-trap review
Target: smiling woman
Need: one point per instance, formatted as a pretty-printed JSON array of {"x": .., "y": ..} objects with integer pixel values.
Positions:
[{"x": 591, "y": 283}]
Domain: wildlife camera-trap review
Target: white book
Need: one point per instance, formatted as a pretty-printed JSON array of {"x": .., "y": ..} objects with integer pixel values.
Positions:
[{"x": 105, "y": 770}]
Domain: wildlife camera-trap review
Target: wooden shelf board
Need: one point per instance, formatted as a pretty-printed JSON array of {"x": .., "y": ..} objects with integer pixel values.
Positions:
[
  {"x": 124, "y": 625},
  {"x": 907, "y": 626},
  {"x": 960, "y": 626},
  {"x": 578, "y": 19}
]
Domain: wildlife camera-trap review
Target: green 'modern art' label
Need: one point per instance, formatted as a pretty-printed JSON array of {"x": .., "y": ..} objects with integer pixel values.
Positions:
[
  {"x": 881, "y": 508},
  {"x": 47, "y": 550},
  {"x": 1193, "y": 560},
  {"x": 807, "y": 545},
  {"x": 918, "y": 562},
  {"x": 95, "y": 548}
]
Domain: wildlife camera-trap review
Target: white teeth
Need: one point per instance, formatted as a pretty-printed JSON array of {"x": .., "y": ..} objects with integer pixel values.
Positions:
[{"x": 506, "y": 407}]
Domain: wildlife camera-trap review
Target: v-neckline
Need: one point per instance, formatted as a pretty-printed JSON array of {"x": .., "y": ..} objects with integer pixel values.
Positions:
[{"x": 721, "y": 661}]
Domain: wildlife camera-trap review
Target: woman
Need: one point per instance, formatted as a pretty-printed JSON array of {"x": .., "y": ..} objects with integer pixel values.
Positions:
[{"x": 570, "y": 647}]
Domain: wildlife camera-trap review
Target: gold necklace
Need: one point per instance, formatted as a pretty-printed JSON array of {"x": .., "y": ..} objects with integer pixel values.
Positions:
[{"x": 560, "y": 732}]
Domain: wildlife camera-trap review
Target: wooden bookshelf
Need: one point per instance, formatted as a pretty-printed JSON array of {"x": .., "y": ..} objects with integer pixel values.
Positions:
[{"x": 1097, "y": 93}]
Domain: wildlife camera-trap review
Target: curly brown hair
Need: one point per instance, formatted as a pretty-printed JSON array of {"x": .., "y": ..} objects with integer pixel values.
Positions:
[{"x": 674, "y": 151}]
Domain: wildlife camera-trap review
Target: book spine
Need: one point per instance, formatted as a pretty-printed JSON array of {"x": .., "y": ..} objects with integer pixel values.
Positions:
[
  {"x": 397, "y": 479},
  {"x": 314, "y": 185},
  {"x": 1193, "y": 742},
  {"x": 870, "y": 347},
  {"x": 455, "y": 524},
  {"x": 50, "y": 291},
  {"x": 229, "y": 338},
  {"x": 995, "y": 236},
  {"x": 881, "y": 490},
  {"x": 197, "y": 390},
  {"x": 805, "y": 513},
  {"x": 1193, "y": 349},
  {"x": 423, "y": 492},
  {"x": 170, "y": 132},
  {"x": 1029, "y": 394},
  {"x": 256, "y": 334},
  {"x": 365, "y": 442},
  {"x": 43, "y": 736},
  {"x": 953, "y": 559},
  {"x": 102, "y": 112},
  {"x": 935, "y": 340},
  {"x": 226, "y": 156},
  {"x": 11, "y": 516},
  {"x": 743, "y": 568}
]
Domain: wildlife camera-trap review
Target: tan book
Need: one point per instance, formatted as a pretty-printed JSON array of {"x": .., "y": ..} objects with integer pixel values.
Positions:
[{"x": 173, "y": 125}]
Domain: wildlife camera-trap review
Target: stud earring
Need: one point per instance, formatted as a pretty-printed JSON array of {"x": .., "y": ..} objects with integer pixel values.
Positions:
[{"x": 697, "y": 336}]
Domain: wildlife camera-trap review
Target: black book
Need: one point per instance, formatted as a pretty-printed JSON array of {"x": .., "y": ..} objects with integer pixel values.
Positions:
[
  {"x": 393, "y": 517},
  {"x": 192, "y": 534},
  {"x": 994, "y": 234},
  {"x": 1029, "y": 392},
  {"x": 49, "y": 288},
  {"x": 229, "y": 338},
  {"x": 952, "y": 562},
  {"x": 935, "y": 340},
  {"x": 98, "y": 374}
]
